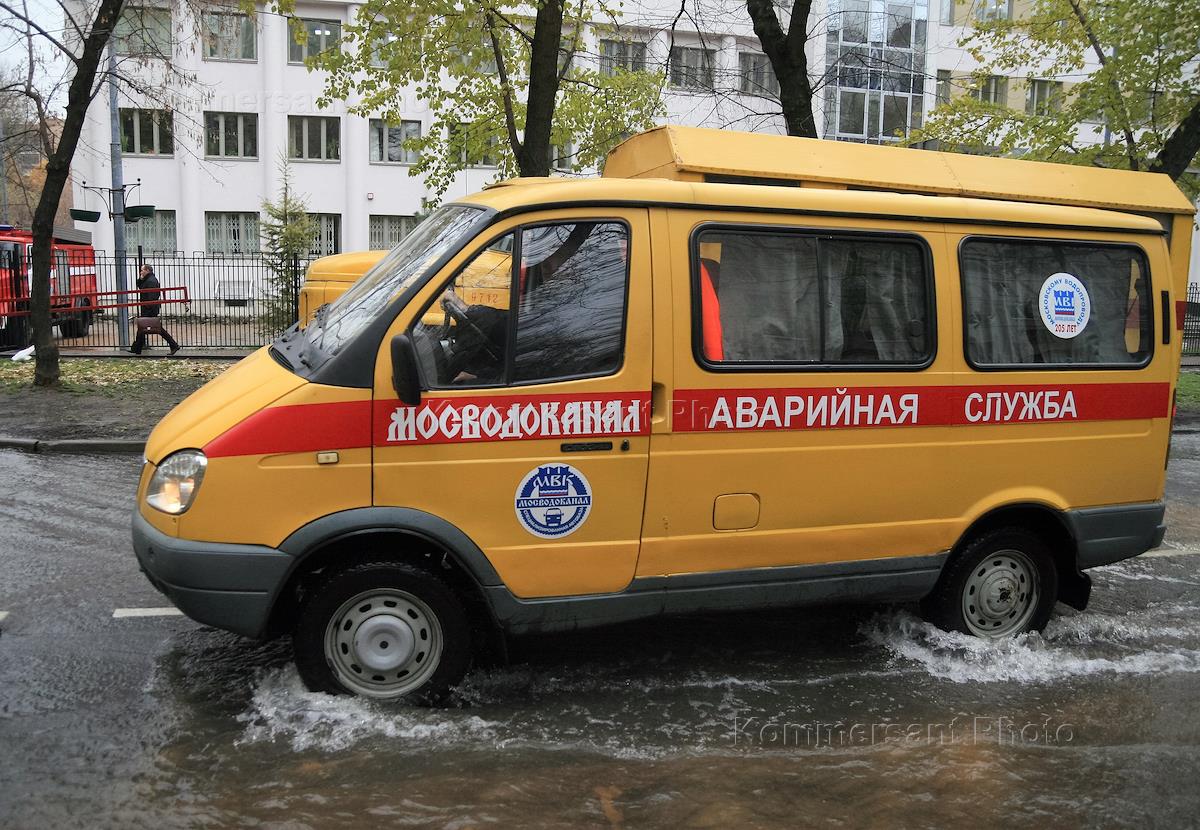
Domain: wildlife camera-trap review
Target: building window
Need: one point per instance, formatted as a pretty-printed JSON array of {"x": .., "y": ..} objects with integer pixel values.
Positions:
[
  {"x": 231, "y": 234},
  {"x": 1043, "y": 97},
  {"x": 229, "y": 37},
  {"x": 319, "y": 35},
  {"x": 948, "y": 12},
  {"x": 314, "y": 137},
  {"x": 144, "y": 31},
  {"x": 380, "y": 49},
  {"x": 1049, "y": 304},
  {"x": 328, "y": 238},
  {"x": 156, "y": 234},
  {"x": 457, "y": 137},
  {"x": 799, "y": 299},
  {"x": 387, "y": 142},
  {"x": 231, "y": 134},
  {"x": 691, "y": 68},
  {"x": 877, "y": 91},
  {"x": 756, "y": 76},
  {"x": 389, "y": 231},
  {"x": 943, "y": 87},
  {"x": 989, "y": 10},
  {"x": 993, "y": 90},
  {"x": 147, "y": 132},
  {"x": 562, "y": 157},
  {"x": 622, "y": 56}
]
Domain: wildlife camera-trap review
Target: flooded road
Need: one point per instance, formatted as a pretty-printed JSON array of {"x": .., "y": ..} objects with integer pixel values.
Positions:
[{"x": 841, "y": 717}]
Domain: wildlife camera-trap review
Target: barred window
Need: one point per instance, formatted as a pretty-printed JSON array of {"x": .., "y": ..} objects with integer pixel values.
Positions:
[
  {"x": 1038, "y": 302},
  {"x": 155, "y": 234},
  {"x": 231, "y": 234},
  {"x": 389, "y": 231},
  {"x": 328, "y": 238},
  {"x": 796, "y": 298}
]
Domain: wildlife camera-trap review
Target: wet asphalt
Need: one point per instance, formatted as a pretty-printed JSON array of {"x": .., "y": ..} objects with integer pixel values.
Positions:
[{"x": 832, "y": 717}]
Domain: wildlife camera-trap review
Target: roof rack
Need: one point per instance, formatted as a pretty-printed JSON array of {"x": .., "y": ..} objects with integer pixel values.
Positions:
[{"x": 705, "y": 155}]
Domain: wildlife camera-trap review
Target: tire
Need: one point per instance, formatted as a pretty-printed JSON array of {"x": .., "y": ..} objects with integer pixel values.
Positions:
[
  {"x": 1003, "y": 583},
  {"x": 79, "y": 324},
  {"x": 15, "y": 333},
  {"x": 383, "y": 630}
]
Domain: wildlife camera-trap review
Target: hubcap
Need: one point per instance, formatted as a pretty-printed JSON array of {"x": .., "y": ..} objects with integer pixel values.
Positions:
[
  {"x": 383, "y": 643},
  {"x": 1001, "y": 594}
]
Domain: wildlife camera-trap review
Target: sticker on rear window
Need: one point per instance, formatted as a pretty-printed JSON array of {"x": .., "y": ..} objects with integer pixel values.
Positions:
[
  {"x": 553, "y": 501},
  {"x": 1064, "y": 305}
]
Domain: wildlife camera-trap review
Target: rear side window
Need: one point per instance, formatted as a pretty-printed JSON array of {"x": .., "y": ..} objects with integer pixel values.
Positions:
[
  {"x": 768, "y": 298},
  {"x": 1033, "y": 303}
]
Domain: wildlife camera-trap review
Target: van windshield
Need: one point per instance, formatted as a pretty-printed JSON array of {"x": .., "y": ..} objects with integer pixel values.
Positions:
[{"x": 339, "y": 322}]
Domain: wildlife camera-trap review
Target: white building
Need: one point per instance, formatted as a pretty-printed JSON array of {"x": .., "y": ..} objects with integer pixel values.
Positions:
[{"x": 879, "y": 67}]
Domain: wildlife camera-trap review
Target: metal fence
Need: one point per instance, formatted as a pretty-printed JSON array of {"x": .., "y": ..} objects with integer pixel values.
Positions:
[
  {"x": 1191, "y": 321},
  {"x": 208, "y": 302}
]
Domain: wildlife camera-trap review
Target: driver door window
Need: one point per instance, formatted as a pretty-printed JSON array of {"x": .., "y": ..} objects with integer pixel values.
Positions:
[{"x": 546, "y": 303}]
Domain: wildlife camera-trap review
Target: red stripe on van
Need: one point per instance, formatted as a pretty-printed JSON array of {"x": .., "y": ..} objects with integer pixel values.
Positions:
[
  {"x": 736, "y": 410},
  {"x": 301, "y": 428}
]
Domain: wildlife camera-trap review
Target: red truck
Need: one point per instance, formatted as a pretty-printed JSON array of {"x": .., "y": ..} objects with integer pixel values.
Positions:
[{"x": 72, "y": 286}]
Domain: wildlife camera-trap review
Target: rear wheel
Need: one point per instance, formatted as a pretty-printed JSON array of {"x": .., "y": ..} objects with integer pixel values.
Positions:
[
  {"x": 14, "y": 332},
  {"x": 384, "y": 630},
  {"x": 1002, "y": 583},
  {"x": 78, "y": 324}
]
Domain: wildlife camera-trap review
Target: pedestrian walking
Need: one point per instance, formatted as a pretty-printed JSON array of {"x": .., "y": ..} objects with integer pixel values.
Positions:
[{"x": 148, "y": 321}]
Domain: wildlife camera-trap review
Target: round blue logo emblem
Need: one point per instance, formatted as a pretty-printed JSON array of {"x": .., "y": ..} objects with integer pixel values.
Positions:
[
  {"x": 553, "y": 501},
  {"x": 1064, "y": 305}
]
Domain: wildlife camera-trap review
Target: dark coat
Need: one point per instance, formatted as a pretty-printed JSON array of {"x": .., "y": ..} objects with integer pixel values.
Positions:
[{"x": 150, "y": 304}]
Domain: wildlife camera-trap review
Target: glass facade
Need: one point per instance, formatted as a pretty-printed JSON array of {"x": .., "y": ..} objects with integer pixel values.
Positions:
[{"x": 875, "y": 53}]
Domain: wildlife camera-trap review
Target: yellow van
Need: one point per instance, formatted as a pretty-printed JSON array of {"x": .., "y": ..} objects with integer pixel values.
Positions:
[
  {"x": 484, "y": 281},
  {"x": 845, "y": 373},
  {"x": 328, "y": 278}
]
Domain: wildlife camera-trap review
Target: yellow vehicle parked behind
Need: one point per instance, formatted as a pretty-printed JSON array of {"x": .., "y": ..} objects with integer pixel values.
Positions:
[
  {"x": 847, "y": 373},
  {"x": 328, "y": 278}
]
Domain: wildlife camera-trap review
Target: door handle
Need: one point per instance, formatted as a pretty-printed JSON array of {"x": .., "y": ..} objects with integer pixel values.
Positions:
[{"x": 586, "y": 446}]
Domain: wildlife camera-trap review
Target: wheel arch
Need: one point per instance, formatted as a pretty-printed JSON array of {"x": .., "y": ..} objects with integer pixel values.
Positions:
[
  {"x": 403, "y": 534},
  {"x": 1048, "y": 522}
]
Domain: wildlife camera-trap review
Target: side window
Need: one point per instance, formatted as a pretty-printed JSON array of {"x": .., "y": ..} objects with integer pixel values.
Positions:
[
  {"x": 786, "y": 298},
  {"x": 547, "y": 303},
  {"x": 1033, "y": 303}
]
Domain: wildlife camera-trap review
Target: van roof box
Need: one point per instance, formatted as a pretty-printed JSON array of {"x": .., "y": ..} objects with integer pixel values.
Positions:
[{"x": 705, "y": 155}]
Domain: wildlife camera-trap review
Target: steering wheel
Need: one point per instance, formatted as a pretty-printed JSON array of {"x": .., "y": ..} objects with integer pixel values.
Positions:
[{"x": 464, "y": 320}]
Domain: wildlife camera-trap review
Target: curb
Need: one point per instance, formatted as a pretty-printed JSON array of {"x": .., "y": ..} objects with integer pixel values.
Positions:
[{"x": 74, "y": 446}]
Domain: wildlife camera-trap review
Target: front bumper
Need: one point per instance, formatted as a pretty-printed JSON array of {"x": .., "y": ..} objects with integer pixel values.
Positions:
[
  {"x": 227, "y": 586},
  {"x": 1109, "y": 534}
]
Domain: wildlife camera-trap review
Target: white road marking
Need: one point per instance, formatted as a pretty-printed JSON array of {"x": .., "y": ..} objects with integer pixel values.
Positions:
[
  {"x": 121, "y": 613},
  {"x": 3, "y": 616}
]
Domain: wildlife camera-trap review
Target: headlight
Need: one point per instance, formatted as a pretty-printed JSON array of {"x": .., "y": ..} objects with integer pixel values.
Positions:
[{"x": 175, "y": 482}]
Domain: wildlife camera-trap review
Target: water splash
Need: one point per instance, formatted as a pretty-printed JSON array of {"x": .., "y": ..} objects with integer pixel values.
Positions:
[{"x": 1146, "y": 641}]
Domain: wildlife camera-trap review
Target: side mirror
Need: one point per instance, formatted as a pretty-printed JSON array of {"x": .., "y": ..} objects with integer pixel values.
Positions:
[{"x": 405, "y": 379}]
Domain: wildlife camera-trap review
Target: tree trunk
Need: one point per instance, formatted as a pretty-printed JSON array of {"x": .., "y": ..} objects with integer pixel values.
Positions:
[
  {"x": 788, "y": 61},
  {"x": 1180, "y": 147},
  {"x": 534, "y": 156},
  {"x": 58, "y": 171}
]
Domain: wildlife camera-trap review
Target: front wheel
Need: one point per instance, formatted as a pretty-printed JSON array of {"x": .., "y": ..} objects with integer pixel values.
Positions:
[
  {"x": 1002, "y": 583},
  {"x": 383, "y": 630}
]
